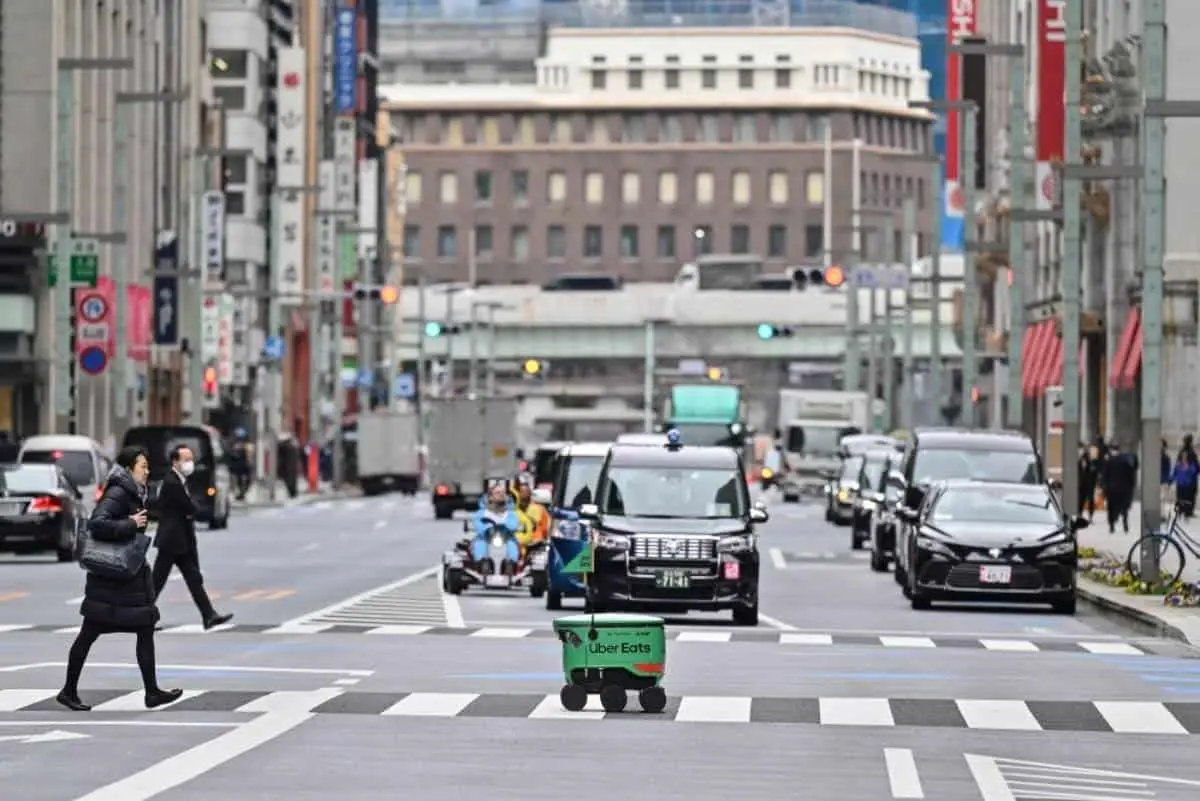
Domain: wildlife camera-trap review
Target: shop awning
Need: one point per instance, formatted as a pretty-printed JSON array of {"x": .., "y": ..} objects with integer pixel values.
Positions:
[
  {"x": 1054, "y": 376},
  {"x": 1035, "y": 353},
  {"x": 1127, "y": 361}
]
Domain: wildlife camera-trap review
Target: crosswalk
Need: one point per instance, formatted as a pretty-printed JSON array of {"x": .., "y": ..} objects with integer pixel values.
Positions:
[
  {"x": 1114, "y": 717},
  {"x": 406, "y": 603},
  {"x": 369, "y": 617}
]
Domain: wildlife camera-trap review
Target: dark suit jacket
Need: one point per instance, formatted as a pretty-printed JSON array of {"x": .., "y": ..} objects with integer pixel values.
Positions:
[{"x": 176, "y": 518}]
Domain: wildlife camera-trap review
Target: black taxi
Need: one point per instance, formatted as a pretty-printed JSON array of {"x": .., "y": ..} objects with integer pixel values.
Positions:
[{"x": 673, "y": 528}]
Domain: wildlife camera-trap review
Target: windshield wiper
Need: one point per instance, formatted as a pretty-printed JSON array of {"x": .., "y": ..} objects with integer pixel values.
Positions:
[{"x": 657, "y": 517}]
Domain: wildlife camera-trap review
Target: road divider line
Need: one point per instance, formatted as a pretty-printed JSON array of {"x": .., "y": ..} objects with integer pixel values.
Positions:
[
  {"x": 775, "y": 623},
  {"x": 453, "y": 611},
  {"x": 903, "y": 776},
  {"x": 777, "y": 560},
  {"x": 413, "y": 578},
  {"x": 988, "y": 778}
]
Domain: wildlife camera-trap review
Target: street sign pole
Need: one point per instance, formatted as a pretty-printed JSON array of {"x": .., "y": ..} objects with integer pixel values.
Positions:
[
  {"x": 889, "y": 341},
  {"x": 970, "y": 303},
  {"x": 64, "y": 334},
  {"x": 852, "y": 377},
  {"x": 120, "y": 383},
  {"x": 907, "y": 257}
]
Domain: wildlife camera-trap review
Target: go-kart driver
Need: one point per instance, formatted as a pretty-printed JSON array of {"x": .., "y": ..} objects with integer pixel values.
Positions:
[
  {"x": 496, "y": 512},
  {"x": 534, "y": 518}
]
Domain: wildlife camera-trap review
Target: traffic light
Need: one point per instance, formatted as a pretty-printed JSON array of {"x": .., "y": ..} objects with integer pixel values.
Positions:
[
  {"x": 716, "y": 374},
  {"x": 533, "y": 367},
  {"x": 211, "y": 388},
  {"x": 975, "y": 395},
  {"x": 386, "y": 294},
  {"x": 767, "y": 331},
  {"x": 832, "y": 277},
  {"x": 434, "y": 330}
]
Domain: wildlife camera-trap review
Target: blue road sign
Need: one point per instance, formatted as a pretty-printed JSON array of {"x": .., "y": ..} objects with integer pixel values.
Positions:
[
  {"x": 273, "y": 348},
  {"x": 93, "y": 360},
  {"x": 345, "y": 61},
  {"x": 405, "y": 386},
  {"x": 166, "y": 310},
  {"x": 366, "y": 378}
]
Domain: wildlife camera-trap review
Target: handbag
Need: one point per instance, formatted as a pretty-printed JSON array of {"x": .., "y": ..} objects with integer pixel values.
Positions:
[{"x": 117, "y": 561}]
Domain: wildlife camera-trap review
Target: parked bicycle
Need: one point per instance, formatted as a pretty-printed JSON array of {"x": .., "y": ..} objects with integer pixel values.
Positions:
[{"x": 1170, "y": 545}]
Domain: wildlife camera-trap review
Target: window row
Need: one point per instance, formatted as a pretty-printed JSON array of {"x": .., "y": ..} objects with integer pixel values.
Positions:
[
  {"x": 665, "y": 188},
  {"x": 700, "y": 127},
  {"x": 713, "y": 79}
]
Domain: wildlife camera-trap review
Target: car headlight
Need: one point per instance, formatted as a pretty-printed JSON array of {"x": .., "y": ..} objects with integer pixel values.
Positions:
[
  {"x": 1058, "y": 549},
  {"x": 613, "y": 542},
  {"x": 869, "y": 506},
  {"x": 497, "y": 541},
  {"x": 927, "y": 543},
  {"x": 740, "y": 543},
  {"x": 844, "y": 495}
]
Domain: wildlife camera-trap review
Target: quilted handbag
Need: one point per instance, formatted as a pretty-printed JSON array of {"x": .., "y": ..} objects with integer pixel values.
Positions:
[{"x": 118, "y": 561}]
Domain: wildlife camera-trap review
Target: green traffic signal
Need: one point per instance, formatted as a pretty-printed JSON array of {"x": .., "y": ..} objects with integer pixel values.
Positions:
[
  {"x": 433, "y": 329},
  {"x": 766, "y": 331}
]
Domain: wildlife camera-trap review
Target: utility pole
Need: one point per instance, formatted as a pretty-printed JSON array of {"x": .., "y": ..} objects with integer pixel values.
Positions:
[
  {"x": 649, "y": 358},
  {"x": 908, "y": 257},
  {"x": 889, "y": 341},
  {"x": 366, "y": 354},
  {"x": 970, "y": 304},
  {"x": 1018, "y": 177},
  {"x": 853, "y": 366}
]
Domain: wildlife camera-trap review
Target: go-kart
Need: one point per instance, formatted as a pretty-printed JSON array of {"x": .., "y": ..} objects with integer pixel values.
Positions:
[{"x": 493, "y": 559}]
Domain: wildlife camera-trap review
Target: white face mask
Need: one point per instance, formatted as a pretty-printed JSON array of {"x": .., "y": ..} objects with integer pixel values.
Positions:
[{"x": 187, "y": 468}]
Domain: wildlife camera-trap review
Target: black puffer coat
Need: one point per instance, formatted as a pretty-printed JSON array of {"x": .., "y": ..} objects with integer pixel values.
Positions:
[{"x": 119, "y": 605}]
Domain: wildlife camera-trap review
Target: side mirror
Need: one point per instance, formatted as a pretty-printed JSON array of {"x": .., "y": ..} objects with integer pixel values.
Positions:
[
  {"x": 759, "y": 515},
  {"x": 541, "y": 495},
  {"x": 914, "y": 497},
  {"x": 1078, "y": 523},
  {"x": 589, "y": 511},
  {"x": 1055, "y": 484}
]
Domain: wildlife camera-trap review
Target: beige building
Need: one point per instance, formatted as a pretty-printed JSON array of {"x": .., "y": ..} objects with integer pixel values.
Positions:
[{"x": 638, "y": 150}]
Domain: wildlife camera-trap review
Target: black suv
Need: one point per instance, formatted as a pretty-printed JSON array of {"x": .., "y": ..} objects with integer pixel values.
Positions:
[{"x": 674, "y": 531}]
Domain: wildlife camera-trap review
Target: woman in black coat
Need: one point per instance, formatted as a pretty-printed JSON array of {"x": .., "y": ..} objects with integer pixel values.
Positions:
[{"x": 111, "y": 606}]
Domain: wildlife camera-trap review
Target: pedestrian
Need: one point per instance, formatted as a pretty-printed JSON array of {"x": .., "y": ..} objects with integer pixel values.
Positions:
[
  {"x": 1184, "y": 478},
  {"x": 176, "y": 537},
  {"x": 109, "y": 605},
  {"x": 240, "y": 463},
  {"x": 1089, "y": 477},
  {"x": 1120, "y": 480},
  {"x": 1166, "y": 468},
  {"x": 1188, "y": 450}
]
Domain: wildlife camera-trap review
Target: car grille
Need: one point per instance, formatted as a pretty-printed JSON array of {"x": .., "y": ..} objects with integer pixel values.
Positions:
[
  {"x": 674, "y": 549},
  {"x": 966, "y": 577}
]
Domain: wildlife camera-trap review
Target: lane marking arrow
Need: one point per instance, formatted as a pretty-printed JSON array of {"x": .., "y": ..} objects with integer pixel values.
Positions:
[{"x": 55, "y": 736}]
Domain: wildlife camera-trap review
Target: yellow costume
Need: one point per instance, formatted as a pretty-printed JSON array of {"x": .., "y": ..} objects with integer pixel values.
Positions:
[{"x": 534, "y": 520}]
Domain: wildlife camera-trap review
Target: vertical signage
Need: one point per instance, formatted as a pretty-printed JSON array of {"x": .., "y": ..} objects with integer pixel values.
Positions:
[
  {"x": 212, "y": 236},
  {"x": 1051, "y": 87},
  {"x": 345, "y": 61},
  {"x": 961, "y": 23},
  {"x": 165, "y": 292},
  {"x": 327, "y": 228},
  {"x": 241, "y": 341},
  {"x": 288, "y": 239},
  {"x": 368, "y": 208},
  {"x": 225, "y": 306},
  {"x": 210, "y": 329}
]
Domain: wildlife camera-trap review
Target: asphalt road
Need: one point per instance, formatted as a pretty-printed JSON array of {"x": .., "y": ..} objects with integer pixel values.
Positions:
[{"x": 347, "y": 673}]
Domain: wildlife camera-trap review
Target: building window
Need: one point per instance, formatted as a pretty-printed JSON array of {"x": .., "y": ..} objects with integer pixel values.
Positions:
[
  {"x": 629, "y": 242},
  {"x": 631, "y": 187},
  {"x": 483, "y": 241},
  {"x": 452, "y": 132},
  {"x": 665, "y": 242},
  {"x": 783, "y": 79},
  {"x": 777, "y": 242},
  {"x": 561, "y": 130},
  {"x": 600, "y": 130},
  {"x": 668, "y": 188},
  {"x": 526, "y": 131},
  {"x": 777, "y": 187},
  {"x": 520, "y": 243},
  {"x": 556, "y": 187},
  {"x": 231, "y": 98},
  {"x": 782, "y": 129},
  {"x": 448, "y": 188},
  {"x": 814, "y": 188},
  {"x": 490, "y": 130},
  {"x": 483, "y": 186},
  {"x": 707, "y": 128},
  {"x": 447, "y": 242},
  {"x": 671, "y": 79},
  {"x": 740, "y": 188},
  {"x": 599, "y": 79},
  {"x": 635, "y": 79},
  {"x": 556, "y": 242},
  {"x": 235, "y": 169},
  {"x": 745, "y": 79},
  {"x": 520, "y": 186},
  {"x": 634, "y": 126},
  {"x": 235, "y": 204},
  {"x": 704, "y": 188},
  {"x": 412, "y": 242},
  {"x": 817, "y": 128},
  {"x": 708, "y": 79},
  {"x": 229, "y": 64},
  {"x": 413, "y": 187},
  {"x": 593, "y": 242},
  {"x": 670, "y": 129},
  {"x": 739, "y": 239},
  {"x": 814, "y": 240},
  {"x": 593, "y": 188},
  {"x": 745, "y": 128},
  {"x": 702, "y": 240}
]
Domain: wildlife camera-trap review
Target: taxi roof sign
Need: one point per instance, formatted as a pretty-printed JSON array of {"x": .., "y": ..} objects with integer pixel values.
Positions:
[{"x": 674, "y": 439}]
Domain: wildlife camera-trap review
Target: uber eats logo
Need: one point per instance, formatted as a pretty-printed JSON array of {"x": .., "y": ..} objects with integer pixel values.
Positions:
[{"x": 626, "y": 648}]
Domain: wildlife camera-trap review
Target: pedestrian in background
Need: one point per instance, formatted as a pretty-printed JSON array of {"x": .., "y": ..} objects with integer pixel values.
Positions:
[
  {"x": 1089, "y": 478},
  {"x": 176, "y": 537},
  {"x": 111, "y": 606},
  {"x": 1120, "y": 480},
  {"x": 1184, "y": 478},
  {"x": 1166, "y": 469}
]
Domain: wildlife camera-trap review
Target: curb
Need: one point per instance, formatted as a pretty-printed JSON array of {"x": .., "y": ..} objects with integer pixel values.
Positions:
[{"x": 1160, "y": 626}]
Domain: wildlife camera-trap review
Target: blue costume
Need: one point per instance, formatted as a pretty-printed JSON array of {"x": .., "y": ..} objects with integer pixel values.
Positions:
[{"x": 485, "y": 520}]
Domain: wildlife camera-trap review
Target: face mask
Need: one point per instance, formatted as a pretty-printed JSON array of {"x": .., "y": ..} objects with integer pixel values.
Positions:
[{"x": 187, "y": 468}]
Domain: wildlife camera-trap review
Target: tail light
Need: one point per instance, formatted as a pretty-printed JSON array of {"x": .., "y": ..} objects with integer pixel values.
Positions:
[
  {"x": 45, "y": 505},
  {"x": 441, "y": 489},
  {"x": 99, "y": 493}
]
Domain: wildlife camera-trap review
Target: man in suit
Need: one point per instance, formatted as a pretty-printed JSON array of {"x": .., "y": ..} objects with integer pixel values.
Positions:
[{"x": 176, "y": 537}]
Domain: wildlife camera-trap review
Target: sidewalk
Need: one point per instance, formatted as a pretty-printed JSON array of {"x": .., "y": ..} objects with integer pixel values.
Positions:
[
  {"x": 259, "y": 497},
  {"x": 1181, "y": 623}
]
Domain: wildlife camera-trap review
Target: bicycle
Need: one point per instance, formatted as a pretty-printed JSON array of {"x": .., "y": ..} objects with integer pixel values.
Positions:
[{"x": 1170, "y": 546}]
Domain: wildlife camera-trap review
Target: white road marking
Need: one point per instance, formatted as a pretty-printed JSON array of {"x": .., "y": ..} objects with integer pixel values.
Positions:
[
  {"x": 212, "y": 668},
  {"x": 186, "y": 724},
  {"x": 1112, "y": 648},
  {"x": 777, "y": 559},
  {"x": 902, "y": 772},
  {"x": 1024, "y": 646},
  {"x": 12, "y": 700},
  {"x": 775, "y": 623},
  {"x": 340, "y": 605},
  {"x": 907, "y": 642},
  {"x": 346, "y": 682},
  {"x": 805, "y": 639},
  {"x": 312, "y": 546},
  {"x": 998, "y": 715},
  {"x": 402, "y": 631},
  {"x": 434, "y": 705},
  {"x": 136, "y": 702},
  {"x": 704, "y": 636},
  {"x": 304, "y": 629},
  {"x": 500, "y": 633},
  {"x": 9, "y": 627},
  {"x": 989, "y": 779},
  {"x": 453, "y": 611},
  {"x": 551, "y": 708},
  {"x": 1139, "y": 717},
  {"x": 294, "y": 701},
  {"x": 182, "y": 768},
  {"x": 75, "y": 601},
  {"x": 856, "y": 712},
  {"x": 714, "y": 709}
]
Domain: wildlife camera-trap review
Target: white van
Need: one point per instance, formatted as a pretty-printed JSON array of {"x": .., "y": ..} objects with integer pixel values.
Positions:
[{"x": 81, "y": 459}]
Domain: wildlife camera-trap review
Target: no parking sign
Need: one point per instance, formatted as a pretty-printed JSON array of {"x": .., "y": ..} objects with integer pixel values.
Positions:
[{"x": 92, "y": 328}]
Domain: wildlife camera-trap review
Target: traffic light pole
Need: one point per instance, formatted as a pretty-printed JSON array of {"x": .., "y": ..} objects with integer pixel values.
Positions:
[
  {"x": 852, "y": 379},
  {"x": 908, "y": 374},
  {"x": 649, "y": 359},
  {"x": 970, "y": 304},
  {"x": 889, "y": 341}
]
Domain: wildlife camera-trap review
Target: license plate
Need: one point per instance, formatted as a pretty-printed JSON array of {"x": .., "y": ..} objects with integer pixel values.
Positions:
[
  {"x": 11, "y": 508},
  {"x": 995, "y": 574},
  {"x": 672, "y": 580},
  {"x": 733, "y": 571},
  {"x": 495, "y": 581}
]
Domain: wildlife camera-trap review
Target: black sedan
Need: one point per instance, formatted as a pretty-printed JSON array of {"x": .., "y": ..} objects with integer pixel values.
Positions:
[
  {"x": 995, "y": 542},
  {"x": 40, "y": 510}
]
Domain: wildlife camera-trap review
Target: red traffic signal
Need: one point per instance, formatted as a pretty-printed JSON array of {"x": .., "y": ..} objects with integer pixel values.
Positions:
[{"x": 832, "y": 276}]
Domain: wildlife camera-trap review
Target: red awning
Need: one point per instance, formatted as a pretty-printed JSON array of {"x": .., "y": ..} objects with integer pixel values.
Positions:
[
  {"x": 1131, "y": 332},
  {"x": 1055, "y": 375},
  {"x": 1052, "y": 366},
  {"x": 1133, "y": 359},
  {"x": 1041, "y": 356},
  {"x": 1031, "y": 354}
]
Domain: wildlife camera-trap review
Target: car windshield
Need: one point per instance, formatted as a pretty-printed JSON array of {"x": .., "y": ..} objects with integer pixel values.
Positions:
[
  {"x": 76, "y": 465},
  {"x": 850, "y": 469},
  {"x": 858, "y": 446},
  {"x": 816, "y": 440},
  {"x": 582, "y": 474},
  {"x": 874, "y": 471},
  {"x": 159, "y": 441},
  {"x": 543, "y": 465},
  {"x": 706, "y": 434},
  {"x": 986, "y": 505},
  {"x": 979, "y": 465},
  {"x": 669, "y": 492},
  {"x": 31, "y": 478}
]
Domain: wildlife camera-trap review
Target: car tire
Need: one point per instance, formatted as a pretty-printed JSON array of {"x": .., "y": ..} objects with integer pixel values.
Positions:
[
  {"x": 453, "y": 584},
  {"x": 553, "y": 601},
  {"x": 828, "y": 515},
  {"x": 1065, "y": 607},
  {"x": 916, "y": 599},
  {"x": 65, "y": 554},
  {"x": 536, "y": 591},
  {"x": 879, "y": 561},
  {"x": 745, "y": 615},
  {"x": 442, "y": 511},
  {"x": 857, "y": 539}
]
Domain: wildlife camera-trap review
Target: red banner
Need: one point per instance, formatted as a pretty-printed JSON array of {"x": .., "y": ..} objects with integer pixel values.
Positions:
[
  {"x": 962, "y": 21},
  {"x": 1051, "y": 79},
  {"x": 139, "y": 313}
]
